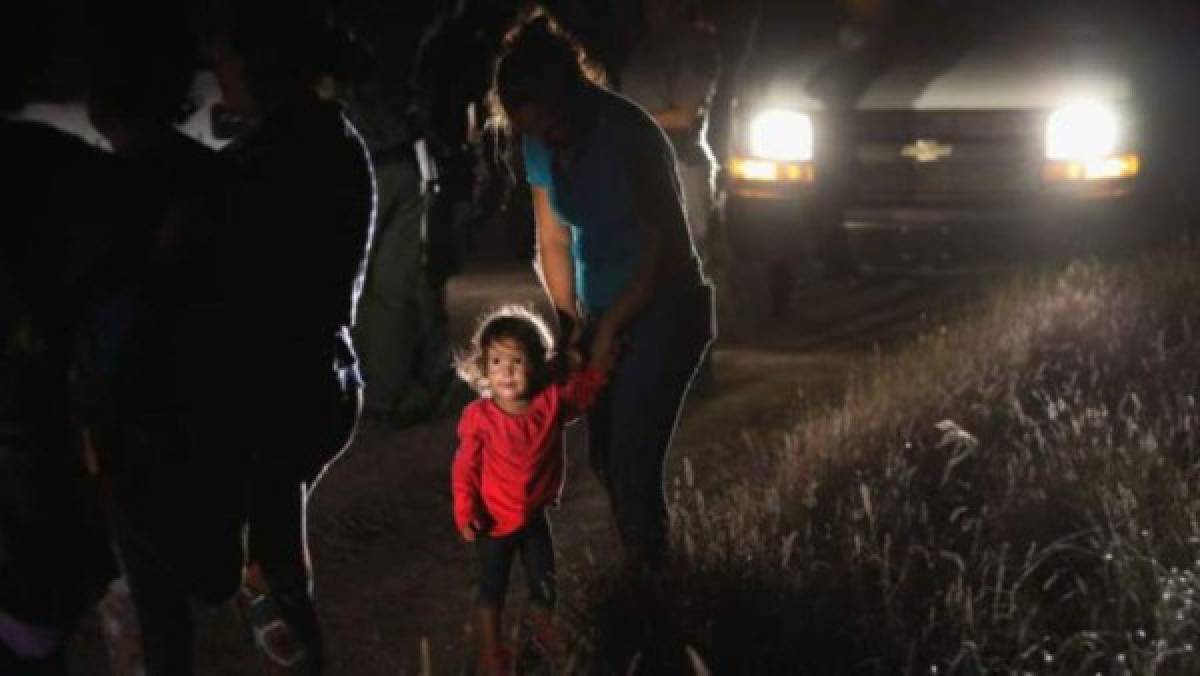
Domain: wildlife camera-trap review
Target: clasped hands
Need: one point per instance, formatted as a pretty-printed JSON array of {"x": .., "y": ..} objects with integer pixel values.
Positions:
[{"x": 602, "y": 351}]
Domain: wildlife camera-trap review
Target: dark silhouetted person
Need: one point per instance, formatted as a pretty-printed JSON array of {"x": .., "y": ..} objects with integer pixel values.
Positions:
[
  {"x": 402, "y": 334},
  {"x": 301, "y": 203},
  {"x": 672, "y": 72},
  {"x": 54, "y": 559},
  {"x": 150, "y": 398}
]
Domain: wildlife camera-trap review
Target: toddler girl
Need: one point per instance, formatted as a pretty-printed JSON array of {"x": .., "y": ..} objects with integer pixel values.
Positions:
[{"x": 510, "y": 466}]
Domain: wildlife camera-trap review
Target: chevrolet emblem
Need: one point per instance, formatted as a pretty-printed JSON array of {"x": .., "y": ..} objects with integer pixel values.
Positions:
[{"x": 926, "y": 150}]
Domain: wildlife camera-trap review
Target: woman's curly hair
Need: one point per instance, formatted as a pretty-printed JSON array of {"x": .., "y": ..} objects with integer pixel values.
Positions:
[
  {"x": 507, "y": 322},
  {"x": 538, "y": 60}
]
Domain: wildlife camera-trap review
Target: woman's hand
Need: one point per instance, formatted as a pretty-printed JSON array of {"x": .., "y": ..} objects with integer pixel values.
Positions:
[
  {"x": 604, "y": 348},
  {"x": 572, "y": 328},
  {"x": 574, "y": 344}
]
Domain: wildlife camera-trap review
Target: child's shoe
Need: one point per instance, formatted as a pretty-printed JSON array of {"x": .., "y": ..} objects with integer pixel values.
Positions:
[
  {"x": 498, "y": 663},
  {"x": 547, "y": 637}
]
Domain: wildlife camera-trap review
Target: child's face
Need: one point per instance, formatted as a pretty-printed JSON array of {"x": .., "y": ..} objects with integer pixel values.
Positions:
[{"x": 508, "y": 370}]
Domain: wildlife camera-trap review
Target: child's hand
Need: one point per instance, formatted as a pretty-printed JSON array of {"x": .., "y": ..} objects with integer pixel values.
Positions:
[
  {"x": 575, "y": 360},
  {"x": 574, "y": 355},
  {"x": 471, "y": 530}
]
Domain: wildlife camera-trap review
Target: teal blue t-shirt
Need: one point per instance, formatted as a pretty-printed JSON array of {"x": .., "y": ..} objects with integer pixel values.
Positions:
[{"x": 592, "y": 196}]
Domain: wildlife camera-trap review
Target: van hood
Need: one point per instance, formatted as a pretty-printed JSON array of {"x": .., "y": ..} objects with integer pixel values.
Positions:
[
  {"x": 1002, "y": 75},
  {"x": 999, "y": 74}
]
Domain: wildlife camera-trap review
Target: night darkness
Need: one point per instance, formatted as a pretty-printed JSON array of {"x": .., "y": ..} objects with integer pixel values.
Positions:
[{"x": 600, "y": 337}]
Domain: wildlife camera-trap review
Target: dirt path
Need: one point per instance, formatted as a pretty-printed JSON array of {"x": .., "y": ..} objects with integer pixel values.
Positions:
[
  {"x": 390, "y": 572},
  {"x": 394, "y": 526}
]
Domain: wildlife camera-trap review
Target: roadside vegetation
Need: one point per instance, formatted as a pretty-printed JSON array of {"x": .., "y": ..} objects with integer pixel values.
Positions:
[{"x": 1015, "y": 492}]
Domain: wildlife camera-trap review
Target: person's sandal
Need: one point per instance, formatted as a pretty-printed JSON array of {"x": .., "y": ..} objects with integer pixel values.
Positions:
[
  {"x": 547, "y": 638},
  {"x": 498, "y": 663},
  {"x": 274, "y": 639}
]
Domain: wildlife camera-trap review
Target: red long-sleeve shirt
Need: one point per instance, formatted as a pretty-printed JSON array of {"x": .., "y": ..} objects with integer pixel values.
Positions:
[{"x": 509, "y": 466}]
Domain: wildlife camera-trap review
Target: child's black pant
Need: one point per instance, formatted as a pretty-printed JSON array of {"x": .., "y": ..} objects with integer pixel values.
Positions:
[{"x": 535, "y": 544}]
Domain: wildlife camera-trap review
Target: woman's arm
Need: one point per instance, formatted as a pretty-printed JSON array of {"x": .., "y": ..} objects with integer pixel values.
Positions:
[
  {"x": 636, "y": 295},
  {"x": 664, "y": 248},
  {"x": 555, "y": 266}
]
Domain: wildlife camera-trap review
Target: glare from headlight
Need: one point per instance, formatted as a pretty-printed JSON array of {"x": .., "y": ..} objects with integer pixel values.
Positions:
[
  {"x": 778, "y": 134},
  {"x": 1080, "y": 132}
]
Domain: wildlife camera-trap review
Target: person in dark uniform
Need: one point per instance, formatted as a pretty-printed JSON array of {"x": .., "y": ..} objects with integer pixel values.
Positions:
[
  {"x": 301, "y": 206},
  {"x": 150, "y": 341},
  {"x": 54, "y": 557},
  {"x": 54, "y": 560}
]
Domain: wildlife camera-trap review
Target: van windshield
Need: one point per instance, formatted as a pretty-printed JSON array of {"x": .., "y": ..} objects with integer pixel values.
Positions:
[{"x": 788, "y": 25}]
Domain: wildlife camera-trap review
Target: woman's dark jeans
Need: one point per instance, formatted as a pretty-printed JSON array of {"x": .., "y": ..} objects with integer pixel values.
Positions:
[
  {"x": 630, "y": 427},
  {"x": 535, "y": 544}
]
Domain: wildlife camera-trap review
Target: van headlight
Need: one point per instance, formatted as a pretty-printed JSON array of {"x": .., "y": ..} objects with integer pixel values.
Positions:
[
  {"x": 780, "y": 134},
  {"x": 1084, "y": 142},
  {"x": 1082, "y": 132}
]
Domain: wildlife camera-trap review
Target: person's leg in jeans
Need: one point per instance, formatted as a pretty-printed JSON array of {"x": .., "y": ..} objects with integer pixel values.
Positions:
[
  {"x": 278, "y": 553},
  {"x": 630, "y": 430},
  {"x": 163, "y": 577},
  {"x": 161, "y": 583},
  {"x": 308, "y": 432},
  {"x": 175, "y": 535},
  {"x": 137, "y": 522},
  {"x": 277, "y": 557},
  {"x": 599, "y": 435},
  {"x": 161, "y": 602}
]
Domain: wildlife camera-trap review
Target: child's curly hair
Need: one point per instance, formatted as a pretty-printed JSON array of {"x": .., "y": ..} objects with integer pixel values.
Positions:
[{"x": 507, "y": 322}]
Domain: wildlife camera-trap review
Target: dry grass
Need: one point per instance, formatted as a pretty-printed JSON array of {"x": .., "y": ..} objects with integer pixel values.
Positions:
[{"x": 1015, "y": 493}]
